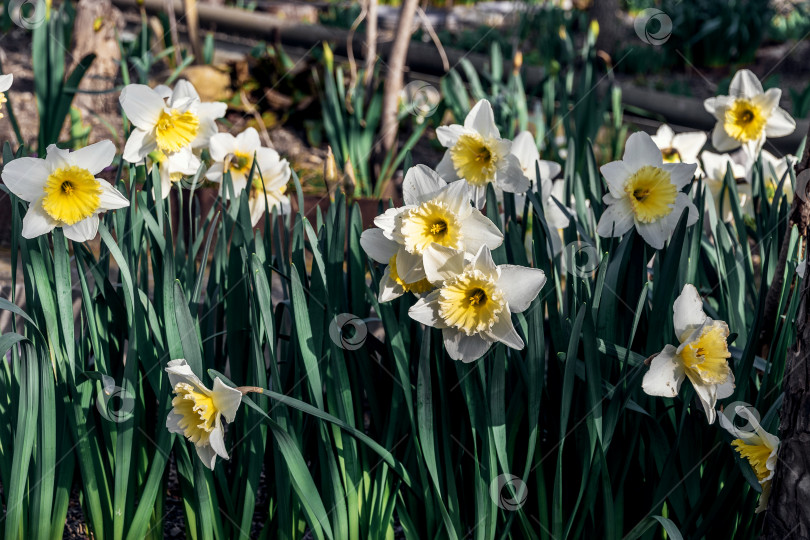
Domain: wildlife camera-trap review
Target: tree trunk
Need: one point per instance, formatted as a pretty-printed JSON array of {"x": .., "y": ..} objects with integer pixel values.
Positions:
[
  {"x": 94, "y": 31},
  {"x": 394, "y": 78},
  {"x": 789, "y": 505}
]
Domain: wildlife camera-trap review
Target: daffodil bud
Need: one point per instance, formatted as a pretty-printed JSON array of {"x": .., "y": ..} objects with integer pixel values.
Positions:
[
  {"x": 349, "y": 181},
  {"x": 517, "y": 63}
]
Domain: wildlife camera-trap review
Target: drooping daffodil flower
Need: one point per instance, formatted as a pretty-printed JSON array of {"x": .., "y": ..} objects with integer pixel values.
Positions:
[
  {"x": 748, "y": 115},
  {"x": 478, "y": 155},
  {"x": 167, "y": 121},
  {"x": 525, "y": 150},
  {"x": 174, "y": 167},
  {"x": 474, "y": 300},
  {"x": 757, "y": 446},
  {"x": 715, "y": 167},
  {"x": 63, "y": 190},
  {"x": 434, "y": 212},
  {"x": 679, "y": 147},
  {"x": 235, "y": 154},
  {"x": 198, "y": 413},
  {"x": 645, "y": 193},
  {"x": 702, "y": 356}
]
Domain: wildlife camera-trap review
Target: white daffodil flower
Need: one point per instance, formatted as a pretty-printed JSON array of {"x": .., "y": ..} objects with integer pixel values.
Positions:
[
  {"x": 168, "y": 124},
  {"x": 525, "y": 150},
  {"x": 434, "y": 211},
  {"x": 174, "y": 167},
  {"x": 759, "y": 447},
  {"x": 645, "y": 193},
  {"x": 702, "y": 356},
  {"x": 235, "y": 155},
  {"x": 679, "y": 147},
  {"x": 773, "y": 170},
  {"x": 474, "y": 301},
  {"x": 477, "y": 154},
  {"x": 748, "y": 116},
  {"x": 63, "y": 190},
  {"x": 5, "y": 84},
  {"x": 715, "y": 167},
  {"x": 267, "y": 190},
  {"x": 197, "y": 412}
]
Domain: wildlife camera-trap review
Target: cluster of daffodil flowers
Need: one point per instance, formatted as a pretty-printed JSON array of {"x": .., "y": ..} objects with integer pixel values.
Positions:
[{"x": 702, "y": 357}]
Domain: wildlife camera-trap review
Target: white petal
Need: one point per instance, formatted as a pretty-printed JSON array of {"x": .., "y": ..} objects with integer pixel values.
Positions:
[
  {"x": 441, "y": 263},
  {"x": 111, "y": 198},
  {"x": 226, "y": 399},
  {"x": 483, "y": 262},
  {"x": 389, "y": 289},
  {"x": 663, "y": 137},
  {"x": 184, "y": 96},
  {"x": 520, "y": 285},
  {"x": 708, "y": 398},
  {"x": 721, "y": 141},
  {"x": 745, "y": 84},
  {"x": 36, "y": 221},
  {"x": 482, "y": 119},
  {"x": 780, "y": 123},
  {"x": 217, "y": 440},
  {"x": 617, "y": 219},
  {"x": 689, "y": 145},
  {"x": 220, "y": 145},
  {"x": 173, "y": 422},
  {"x": 207, "y": 455},
  {"x": 138, "y": 146},
  {"x": 5, "y": 81},
  {"x": 95, "y": 158},
  {"x": 57, "y": 158},
  {"x": 555, "y": 217},
  {"x": 525, "y": 149},
  {"x": 179, "y": 371},
  {"x": 26, "y": 177},
  {"x": 248, "y": 141},
  {"x": 377, "y": 246},
  {"x": 163, "y": 91},
  {"x": 640, "y": 150},
  {"x": 687, "y": 312},
  {"x": 457, "y": 197},
  {"x": 85, "y": 230},
  {"x": 504, "y": 331},
  {"x": 462, "y": 347},
  {"x": 421, "y": 184},
  {"x": 665, "y": 375},
  {"x": 478, "y": 230},
  {"x": 446, "y": 169},
  {"x": 387, "y": 221},
  {"x": 409, "y": 266},
  {"x": 510, "y": 177},
  {"x": 616, "y": 174},
  {"x": 448, "y": 135},
  {"x": 142, "y": 105},
  {"x": 656, "y": 233},
  {"x": 426, "y": 311},
  {"x": 680, "y": 173}
]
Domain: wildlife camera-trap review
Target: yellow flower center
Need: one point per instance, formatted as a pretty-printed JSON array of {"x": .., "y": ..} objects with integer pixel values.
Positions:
[
  {"x": 175, "y": 130},
  {"x": 744, "y": 120},
  {"x": 197, "y": 411},
  {"x": 652, "y": 193},
  {"x": 757, "y": 456},
  {"x": 239, "y": 163},
  {"x": 471, "y": 302},
  {"x": 671, "y": 155},
  {"x": 416, "y": 287},
  {"x": 706, "y": 357},
  {"x": 71, "y": 195},
  {"x": 429, "y": 222},
  {"x": 474, "y": 159}
]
